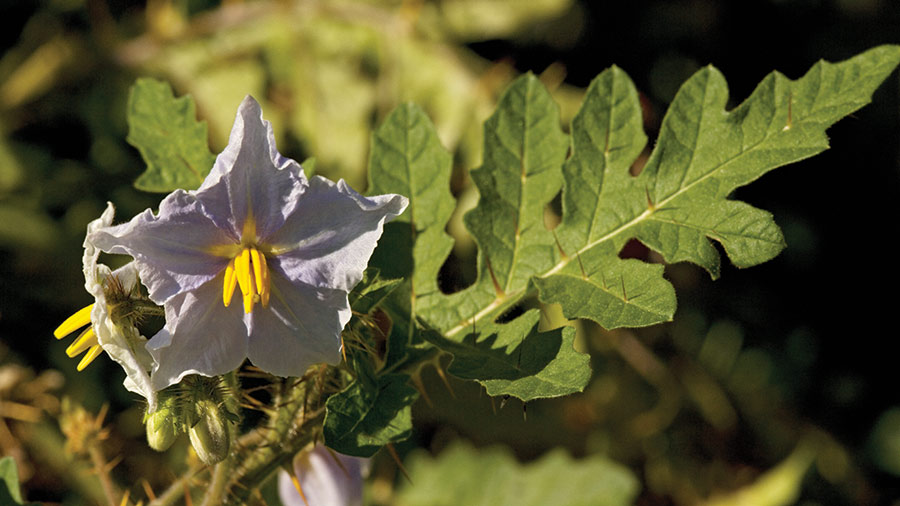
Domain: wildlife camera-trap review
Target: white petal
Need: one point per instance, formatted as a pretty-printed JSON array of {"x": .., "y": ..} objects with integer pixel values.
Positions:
[
  {"x": 302, "y": 326},
  {"x": 324, "y": 481},
  {"x": 331, "y": 233},
  {"x": 201, "y": 336}
]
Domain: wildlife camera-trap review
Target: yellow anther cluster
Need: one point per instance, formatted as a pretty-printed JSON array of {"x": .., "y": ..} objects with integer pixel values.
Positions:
[
  {"x": 87, "y": 340},
  {"x": 249, "y": 271}
]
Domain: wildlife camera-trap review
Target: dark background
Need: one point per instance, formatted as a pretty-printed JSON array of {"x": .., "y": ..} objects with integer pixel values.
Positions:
[{"x": 823, "y": 310}]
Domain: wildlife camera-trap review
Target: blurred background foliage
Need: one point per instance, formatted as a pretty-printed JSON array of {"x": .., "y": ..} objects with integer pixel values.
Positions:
[{"x": 772, "y": 386}]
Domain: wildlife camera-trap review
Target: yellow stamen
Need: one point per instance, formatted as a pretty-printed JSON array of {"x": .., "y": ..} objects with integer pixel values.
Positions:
[
  {"x": 242, "y": 271},
  {"x": 84, "y": 341},
  {"x": 230, "y": 283},
  {"x": 89, "y": 357},
  {"x": 81, "y": 318},
  {"x": 257, "y": 269},
  {"x": 249, "y": 270},
  {"x": 248, "y": 302},
  {"x": 297, "y": 486},
  {"x": 264, "y": 292}
]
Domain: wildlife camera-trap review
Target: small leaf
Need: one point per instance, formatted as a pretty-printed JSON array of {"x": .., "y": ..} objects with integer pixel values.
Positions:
[
  {"x": 172, "y": 142},
  {"x": 619, "y": 293},
  {"x": 407, "y": 158},
  {"x": 492, "y": 477},
  {"x": 9, "y": 483},
  {"x": 524, "y": 149},
  {"x": 515, "y": 359},
  {"x": 369, "y": 414},
  {"x": 371, "y": 291},
  {"x": 309, "y": 167}
]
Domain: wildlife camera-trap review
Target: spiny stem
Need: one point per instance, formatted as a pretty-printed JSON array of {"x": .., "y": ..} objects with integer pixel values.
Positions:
[
  {"x": 176, "y": 489},
  {"x": 99, "y": 461},
  {"x": 220, "y": 477},
  {"x": 290, "y": 429}
]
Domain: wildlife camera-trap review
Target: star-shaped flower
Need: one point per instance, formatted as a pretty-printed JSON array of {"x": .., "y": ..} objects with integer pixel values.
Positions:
[
  {"x": 294, "y": 246},
  {"x": 117, "y": 305}
]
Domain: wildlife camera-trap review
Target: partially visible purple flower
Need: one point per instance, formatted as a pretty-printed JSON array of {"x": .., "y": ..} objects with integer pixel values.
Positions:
[
  {"x": 294, "y": 246},
  {"x": 111, "y": 317},
  {"x": 326, "y": 478}
]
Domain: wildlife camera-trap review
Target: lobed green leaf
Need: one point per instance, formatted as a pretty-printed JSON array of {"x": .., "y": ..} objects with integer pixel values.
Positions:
[
  {"x": 492, "y": 477},
  {"x": 677, "y": 204},
  {"x": 515, "y": 359},
  {"x": 368, "y": 415},
  {"x": 172, "y": 142}
]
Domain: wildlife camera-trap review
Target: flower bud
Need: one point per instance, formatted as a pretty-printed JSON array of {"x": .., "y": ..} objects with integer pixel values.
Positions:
[
  {"x": 162, "y": 426},
  {"x": 210, "y": 436}
]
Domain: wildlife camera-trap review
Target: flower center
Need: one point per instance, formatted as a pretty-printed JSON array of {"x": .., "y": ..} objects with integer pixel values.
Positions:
[{"x": 248, "y": 270}]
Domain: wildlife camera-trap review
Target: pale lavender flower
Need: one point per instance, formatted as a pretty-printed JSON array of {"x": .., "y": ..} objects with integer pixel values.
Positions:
[
  {"x": 326, "y": 478},
  {"x": 294, "y": 246},
  {"x": 111, "y": 317}
]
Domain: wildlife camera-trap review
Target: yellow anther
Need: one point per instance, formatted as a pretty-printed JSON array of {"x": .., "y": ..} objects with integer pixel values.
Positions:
[
  {"x": 248, "y": 302},
  {"x": 89, "y": 357},
  {"x": 84, "y": 341},
  {"x": 264, "y": 292},
  {"x": 257, "y": 269},
  {"x": 230, "y": 283},
  {"x": 242, "y": 271},
  {"x": 81, "y": 318},
  {"x": 297, "y": 486},
  {"x": 248, "y": 269}
]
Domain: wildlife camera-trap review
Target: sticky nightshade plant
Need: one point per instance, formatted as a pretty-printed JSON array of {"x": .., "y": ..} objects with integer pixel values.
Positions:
[
  {"x": 294, "y": 246},
  {"x": 118, "y": 305}
]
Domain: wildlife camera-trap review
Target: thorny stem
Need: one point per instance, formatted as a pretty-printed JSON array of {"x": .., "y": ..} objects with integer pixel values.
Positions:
[
  {"x": 220, "y": 476},
  {"x": 99, "y": 462},
  {"x": 176, "y": 489},
  {"x": 293, "y": 425}
]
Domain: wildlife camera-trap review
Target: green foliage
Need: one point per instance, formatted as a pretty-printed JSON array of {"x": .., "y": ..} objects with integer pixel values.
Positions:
[
  {"x": 676, "y": 205},
  {"x": 462, "y": 475},
  {"x": 9, "y": 483},
  {"x": 884, "y": 441},
  {"x": 173, "y": 143},
  {"x": 369, "y": 414},
  {"x": 516, "y": 359}
]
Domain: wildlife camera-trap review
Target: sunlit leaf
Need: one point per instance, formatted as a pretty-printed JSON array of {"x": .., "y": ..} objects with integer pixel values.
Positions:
[
  {"x": 677, "y": 205},
  {"x": 492, "y": 477},
  {"x": 9, "y": 483},
  {"x": 165, "y": 130}
]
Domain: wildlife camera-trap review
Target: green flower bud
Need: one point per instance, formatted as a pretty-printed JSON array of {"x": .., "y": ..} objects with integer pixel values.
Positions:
[
  {"x": 162, "y": 426},
  {"x": 210, "y": 436}
]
